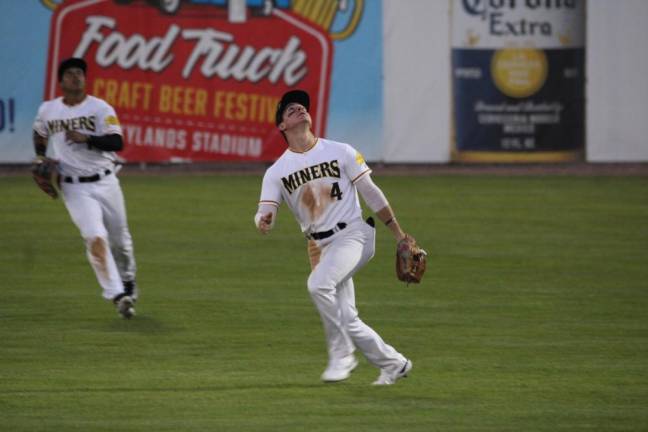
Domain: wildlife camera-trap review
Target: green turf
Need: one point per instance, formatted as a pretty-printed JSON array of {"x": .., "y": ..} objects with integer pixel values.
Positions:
[{"x": 533, "y": 315}]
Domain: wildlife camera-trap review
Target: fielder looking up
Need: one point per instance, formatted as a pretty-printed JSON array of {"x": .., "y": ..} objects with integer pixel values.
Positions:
[
  {"x": 319, "y": 180},
  {"x": 85, "y": 133}
]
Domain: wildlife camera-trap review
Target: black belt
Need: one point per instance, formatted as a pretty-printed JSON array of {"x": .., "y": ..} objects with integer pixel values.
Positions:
[
  {"x": 89, "y": 179},
  {"x": 326, "y": 234}
]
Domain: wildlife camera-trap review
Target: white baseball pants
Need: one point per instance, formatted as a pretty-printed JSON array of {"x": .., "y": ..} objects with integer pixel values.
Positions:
[
  {"x": 98, "y": 210},
  {"x": 331, "y": 287}
]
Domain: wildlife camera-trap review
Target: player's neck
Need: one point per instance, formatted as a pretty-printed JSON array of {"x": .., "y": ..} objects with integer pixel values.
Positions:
[
  {"x": 73, "y": 98},
  {"x": 301, "y": 142}
]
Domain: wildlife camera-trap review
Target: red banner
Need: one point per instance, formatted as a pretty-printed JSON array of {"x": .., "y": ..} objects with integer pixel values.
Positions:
[{"x": 194, "y": 86}]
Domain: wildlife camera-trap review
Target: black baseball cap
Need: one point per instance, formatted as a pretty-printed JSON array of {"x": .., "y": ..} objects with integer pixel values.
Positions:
[
  {"x": 293, "y": 96},
  {"x": 72, "y": 62}
]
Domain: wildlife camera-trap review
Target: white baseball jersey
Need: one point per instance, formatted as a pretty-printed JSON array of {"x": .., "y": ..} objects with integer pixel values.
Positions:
[
  {"x": 317, "y": 185},
  {"x": 93, "y": 116}
]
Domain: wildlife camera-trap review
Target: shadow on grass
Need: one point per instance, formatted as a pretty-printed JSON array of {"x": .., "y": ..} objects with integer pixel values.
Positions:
[
  {"x": 207, "y": 389},
  {"x": 139, "y": 324}
]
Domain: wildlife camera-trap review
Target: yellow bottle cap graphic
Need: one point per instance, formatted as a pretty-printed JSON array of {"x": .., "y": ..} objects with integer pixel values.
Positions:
[{"x": 519, "y": 72}]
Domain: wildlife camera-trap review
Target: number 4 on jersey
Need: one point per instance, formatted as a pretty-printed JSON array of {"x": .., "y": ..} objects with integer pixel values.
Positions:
[{"x": 335, "y": 191}]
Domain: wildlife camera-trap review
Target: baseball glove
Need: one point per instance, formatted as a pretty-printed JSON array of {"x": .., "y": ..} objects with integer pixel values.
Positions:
[
  {"x": 45, "y": 174},
  {"x": 411, "y": 260}
]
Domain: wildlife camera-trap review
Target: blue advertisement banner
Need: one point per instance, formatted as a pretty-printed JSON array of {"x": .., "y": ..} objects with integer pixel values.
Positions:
[
  {"x": 488, "y": 120},
  {"x": 518, "y": 76}
]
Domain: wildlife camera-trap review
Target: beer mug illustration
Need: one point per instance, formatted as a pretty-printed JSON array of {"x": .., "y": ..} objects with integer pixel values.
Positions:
[
  {"x": 339, "y": 17},
  {"x": 327, "y": 13}
]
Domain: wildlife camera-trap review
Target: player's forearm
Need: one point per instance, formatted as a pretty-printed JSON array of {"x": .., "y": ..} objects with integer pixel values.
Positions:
[
  {"x": 378, "y": 203},
  {"x": 386, "y": 216},
  {"x": 40, "y": 144}
]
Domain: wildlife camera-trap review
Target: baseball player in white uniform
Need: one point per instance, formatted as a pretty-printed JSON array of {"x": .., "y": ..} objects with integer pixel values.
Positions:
[
  {"x": 84, "y": 133},
  {"x": 319, "y": 180}
]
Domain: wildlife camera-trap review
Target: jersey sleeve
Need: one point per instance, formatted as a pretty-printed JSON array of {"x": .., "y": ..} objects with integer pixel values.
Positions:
[
  {"x": 354, "y": 164},
  {"x": 40, "y": 126},
  {"x": 270, "y": 190},
  {"x": 108, "y": 121}
]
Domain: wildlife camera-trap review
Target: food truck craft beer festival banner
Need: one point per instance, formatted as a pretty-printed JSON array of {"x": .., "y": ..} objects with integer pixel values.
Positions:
[{"x": 202, "y": 83}]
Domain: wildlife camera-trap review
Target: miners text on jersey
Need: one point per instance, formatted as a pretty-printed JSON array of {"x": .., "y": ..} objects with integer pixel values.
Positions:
[
  {"x": 302, "y": 176},
  {"x": 87, "y": 123}
]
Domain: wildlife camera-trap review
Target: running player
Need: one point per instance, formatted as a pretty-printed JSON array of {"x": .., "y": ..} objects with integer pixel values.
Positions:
[
  {"x": 85, "y": 133},
  {"x": 319, "y": 180}
]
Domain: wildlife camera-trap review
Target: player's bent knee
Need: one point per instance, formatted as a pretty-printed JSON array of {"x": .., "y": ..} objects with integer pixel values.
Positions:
[
  {"x": 312, "y": 285},
  {"x": 354, "y": 325},
  {"x": 318, "y": 285}
]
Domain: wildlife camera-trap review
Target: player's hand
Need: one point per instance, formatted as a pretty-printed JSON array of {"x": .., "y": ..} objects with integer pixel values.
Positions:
[
  {"x": 265, "y": 223},
  {"x": 76, "y": 137}
]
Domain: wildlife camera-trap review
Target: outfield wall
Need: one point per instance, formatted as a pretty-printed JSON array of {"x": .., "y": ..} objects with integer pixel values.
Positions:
[
  {"x": 389, "y": 89},
  {"x": 617, "y": 88},
  {"x": 417, "y": 81}
]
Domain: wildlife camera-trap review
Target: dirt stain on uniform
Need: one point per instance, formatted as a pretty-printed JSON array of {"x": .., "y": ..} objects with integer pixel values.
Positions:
[
  {"x": 314, "y": 254},
  {"x": 315, "y": 199},
  {"x": 98, "y": 252}
]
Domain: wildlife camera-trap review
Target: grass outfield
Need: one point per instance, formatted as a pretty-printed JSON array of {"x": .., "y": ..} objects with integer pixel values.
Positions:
[{"x": 533, "y": 315}]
